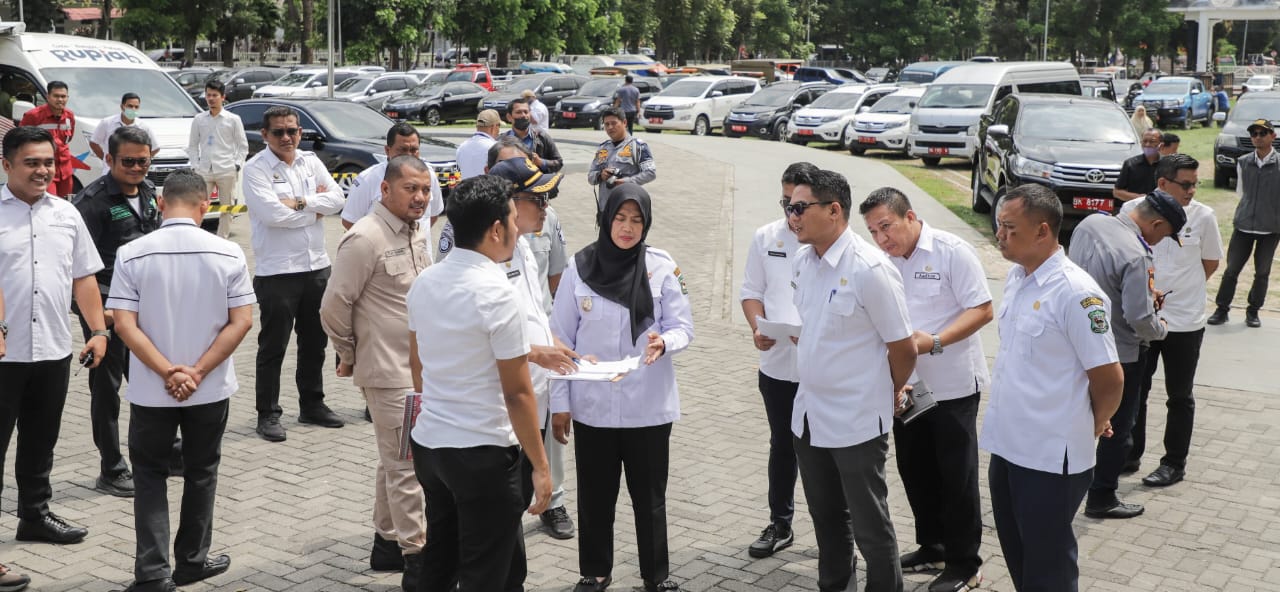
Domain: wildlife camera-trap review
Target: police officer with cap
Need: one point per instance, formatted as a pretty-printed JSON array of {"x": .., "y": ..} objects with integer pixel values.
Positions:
[
  {"x": 623, "y": 158},
  {"x": 1116, "y": 252}
]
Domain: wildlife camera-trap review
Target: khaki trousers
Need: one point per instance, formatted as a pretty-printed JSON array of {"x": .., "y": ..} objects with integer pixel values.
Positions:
[
  {"x": 228, "y": 185},
  {"x": 398, "y": 503}
]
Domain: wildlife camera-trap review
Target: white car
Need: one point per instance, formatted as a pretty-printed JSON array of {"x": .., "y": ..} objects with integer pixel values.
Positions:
[
  {"x": 374, "y": 89},
  {"x": 884, "y": 125},
  {"x": 1260, "y": 82},
  {"x": 424, "y": 73},
  {"x": 307, "y": 82},
  {"x": 697, "y": 104},
  {"x": 826, "y": 119}
]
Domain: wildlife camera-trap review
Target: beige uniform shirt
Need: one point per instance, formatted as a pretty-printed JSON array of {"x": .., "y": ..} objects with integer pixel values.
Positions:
[{"x": 363, "y": 310}]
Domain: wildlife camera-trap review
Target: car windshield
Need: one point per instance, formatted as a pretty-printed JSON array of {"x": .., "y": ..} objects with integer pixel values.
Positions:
[
  {"x": 463, "y": 75},
  {"x": 957, "y": 96},
  {"x": 1259, "y": 81},
  {"x": 436, "y": 78},
  {"x": 353, "y": 85},
  {"x": 691, "y": 88},
  {"x": 1168, "y": 88},
  {"x": 294, "y": 79},
  {"x": 1256, "y": 109},
  {"x": 523, "y": 84},
  {"x": 902, "y": 105},
  {"x": 837, "y": 100},
  {"x": 917, "y": 76},
  {"x": 600, "y": 88},
  {"x": 426, "y": 89},
  {"x": 98, "y": 90},
  {"x": 771, "y": 97},
  {"x": 349, "y": 120},
  {"x": 1080, "y": 123}
]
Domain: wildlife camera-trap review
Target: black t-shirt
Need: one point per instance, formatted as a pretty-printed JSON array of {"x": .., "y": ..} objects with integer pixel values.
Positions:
[{"x": 1137, "y": 175}]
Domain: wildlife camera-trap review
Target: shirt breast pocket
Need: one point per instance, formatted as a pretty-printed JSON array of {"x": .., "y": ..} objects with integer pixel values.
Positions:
[
  {"x": 1029, "y": 330},
  {"x": 840, "y": 311},
  {"x": 398, "y": 265}
]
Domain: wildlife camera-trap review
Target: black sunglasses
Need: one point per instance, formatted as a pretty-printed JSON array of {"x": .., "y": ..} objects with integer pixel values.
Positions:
[
  {"x": 797, "y": 208},
  {"x": 130, "y": 162},
  {"x": 1186, "y": 185},
  {"x": 1259, "y": 133},
  {"x": 280, "y": 132},
  {"x": 541, "y": 200}
]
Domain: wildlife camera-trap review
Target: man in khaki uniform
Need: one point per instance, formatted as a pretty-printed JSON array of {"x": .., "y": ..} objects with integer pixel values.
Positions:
[{"x": 364, "y": 313}]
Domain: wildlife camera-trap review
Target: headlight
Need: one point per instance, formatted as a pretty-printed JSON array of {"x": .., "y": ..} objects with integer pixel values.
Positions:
[
  {"x": 1173, "y": 103},
  {"x": 1025, "y": 167},
  {"x": 593, "y": 106},
  {"x": 745, "y": 116},
  {"x": 1224, "y": 140},
  {"x": 682, "y": 107},
  {"x": 894, "y": 124},
  {"x": 828, "y": 119}
]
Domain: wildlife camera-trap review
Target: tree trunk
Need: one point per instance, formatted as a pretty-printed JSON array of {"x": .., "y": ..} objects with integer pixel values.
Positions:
[
  {"x": 104, "y": 28},
  {"x": 229, "y": 53},
  {"x": 189, "y": 56},
  {"x": 395, "y": 58},
  {"x": 308, "y": 31}
]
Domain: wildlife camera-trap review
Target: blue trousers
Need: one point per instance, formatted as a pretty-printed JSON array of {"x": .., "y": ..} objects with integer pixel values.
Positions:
[{"x": 1033, "y": 511}]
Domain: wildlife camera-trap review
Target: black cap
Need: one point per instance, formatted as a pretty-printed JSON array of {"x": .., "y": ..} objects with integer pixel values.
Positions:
[
  {"x": 1262, "y": 123},
  {"x": 1169, "y": 209},
  {"x": 525, "y": 175}
]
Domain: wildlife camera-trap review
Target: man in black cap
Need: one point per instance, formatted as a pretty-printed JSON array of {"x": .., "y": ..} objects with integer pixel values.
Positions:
[
  {"x": 1257, "y": 224},
  {"x": 1116, "y": 252}
]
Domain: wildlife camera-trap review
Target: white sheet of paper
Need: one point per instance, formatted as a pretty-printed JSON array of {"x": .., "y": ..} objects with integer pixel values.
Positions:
[
  {"x": 600, "y": 371},
  {"x": 775, "y": 330}
]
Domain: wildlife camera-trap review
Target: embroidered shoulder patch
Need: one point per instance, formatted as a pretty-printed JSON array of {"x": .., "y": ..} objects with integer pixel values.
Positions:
[
  {"x": 1098, "y": 321},
  {"x": 1090, "y": 301},
  {"x": 684, "y": 289}
]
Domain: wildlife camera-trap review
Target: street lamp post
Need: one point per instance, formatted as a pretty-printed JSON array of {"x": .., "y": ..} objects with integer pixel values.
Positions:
[
  {"x": 1044, "y": 45},
  {"x": 331, "y": 11}
]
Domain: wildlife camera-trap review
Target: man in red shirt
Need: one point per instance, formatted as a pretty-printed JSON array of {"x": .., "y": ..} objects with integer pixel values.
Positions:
[{"x": 55, "y": 117}]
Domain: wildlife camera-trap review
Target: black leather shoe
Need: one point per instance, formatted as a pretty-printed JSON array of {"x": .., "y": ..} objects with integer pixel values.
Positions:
[
  {"x": 412, "y": 572},
  {"x": 1218, "y": 317},
  {"x": 1164, "y": 476},
  {"x": 1251, "y": 319},
  {"x": 559, "y": 524},
  {"x": 956, "y": 579},
  {"x": 773, "y": 538},
  {"x": 50, "y": 529},
  {"x": 385, "y": 555},
  {"x": 1130, "y": 467},
  {"x": 926, "y": 558},
  {"x": 667, "y": 585},
  {"x": 212, "y": 567},
  {"x": 270, "y": 429},
  {"x": 592, "y": 585},
  {"x": 165, "y": 585},
  {"x": 120, "y": 485},
  {"x": 1119, "y": 510},
  {"x": 320, "y": 415},
  {"x": 12, "y": 582}
]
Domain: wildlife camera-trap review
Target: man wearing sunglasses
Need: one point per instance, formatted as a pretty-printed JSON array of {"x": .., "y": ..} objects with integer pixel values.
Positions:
[
  {"x": 117, "y": 209},
  {"x": 1257, "y": 224},
  {"x": 289, "y": 192}
]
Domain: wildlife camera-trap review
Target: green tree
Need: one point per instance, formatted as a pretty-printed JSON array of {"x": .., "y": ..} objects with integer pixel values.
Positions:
[
  {"x": 187, "y": 19},
  {"x": 243, "y": 19},
  {"x": 587, "y": 26},
  {"x": 1009, "y": 30},
  {"x": 639, "y": 22},
  {"x": 39, "y": 15}
]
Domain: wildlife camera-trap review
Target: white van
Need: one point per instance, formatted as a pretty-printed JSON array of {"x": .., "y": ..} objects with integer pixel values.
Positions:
[
  {"x": 97, "y": 73},
  {"x": 697, "y": 104},
  {"x": 945, "y": 122},
  {"x": 828, "y": 118},
  {"x": 583, "y": 64},
  {"x": 305, "y": 82}
]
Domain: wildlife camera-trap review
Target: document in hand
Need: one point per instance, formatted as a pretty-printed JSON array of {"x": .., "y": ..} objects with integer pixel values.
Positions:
[
  {"x": 411, "y": 409},
  {"x": 775, "y": 330},
  {"x": 601, "y": 371},
  {"x": 919, "y": 400}
]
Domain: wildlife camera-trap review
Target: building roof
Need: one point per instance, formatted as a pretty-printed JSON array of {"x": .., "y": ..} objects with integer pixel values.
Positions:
[{"x": 89, "y": 14}]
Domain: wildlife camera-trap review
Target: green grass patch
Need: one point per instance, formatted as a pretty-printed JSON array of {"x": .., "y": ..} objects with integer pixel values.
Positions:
[{"x": 946, "y": 192}]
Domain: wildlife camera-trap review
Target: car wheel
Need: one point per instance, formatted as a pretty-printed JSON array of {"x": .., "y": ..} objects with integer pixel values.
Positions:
[
  {"x": 599, "y": 124},
  {"x": 931, "y": 161},
  {"x": 1186, "y": 120},
  {"x": 432, "y": 117},
  {"x": 995, "y": 207},
  {"x": 857, "y": 150},
  {"x": 345, "y": 175},
  {"x": 979, "y": 204},
  {"x": 1221, "y": 178},
  {"x": 780, "y": 130},
  {"x": 702, "y": 126}
]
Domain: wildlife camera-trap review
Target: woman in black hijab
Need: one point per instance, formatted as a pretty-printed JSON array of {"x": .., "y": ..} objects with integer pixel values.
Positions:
[{"x": 622, "y": 298}]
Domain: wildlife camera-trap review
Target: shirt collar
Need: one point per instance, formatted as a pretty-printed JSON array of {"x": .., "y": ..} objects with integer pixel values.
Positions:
[
  {"x": 177, "y": 221},
  {"x": 926, "y": 237},
  {"x": 471, "y": 258},
  {"x": 834, "y": 254},
  {"x": 1270, "y": 157},
  {"x": 392, "y": 221},
  {"x": 1128, "y": 222},
  {"x": 6, "y": 195},
  {"x": 1049, "y": 267},
  {"x": 274, "y": 161}
]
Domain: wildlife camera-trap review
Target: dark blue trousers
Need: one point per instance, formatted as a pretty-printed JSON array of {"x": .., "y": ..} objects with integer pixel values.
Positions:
[
  {"x": 779, "y": 398},
  {"x": 1033, "y": 511}
]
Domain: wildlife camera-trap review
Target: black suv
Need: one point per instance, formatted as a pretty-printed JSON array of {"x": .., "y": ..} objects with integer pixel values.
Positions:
[
  {"x": 242, "y": 82},
  {"x": 1233, "y": 141},
  {"x": 1073, "y": 145},
  {"x": 433, "y": 104},
  {"x": 549, "y": 88},
  {"x": 583, "y": 109},
  {"x": 766, "y": 113}
]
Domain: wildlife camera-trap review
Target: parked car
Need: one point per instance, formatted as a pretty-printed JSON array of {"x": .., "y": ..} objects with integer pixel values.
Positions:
[
  {"x": 1255, "y": 83},
  {"x": 241, "y": 82},
  {"x": 827, "y": 119},
  {"x": 1098, "y": 86},
  {"x": 766, "y": 113},
  {"x": 1233, "y": 140},
  {"x": 882, "y": 75},
  {"x": 503, "y": 76},
  {"x": 424, "y": 73},
  {"x": 883, "y": 126},
  {"x": 552, "y": 67},
  {"x": 190, "y": 78},
  {"x": 583, "y": 109},
  {"x": 549, "y": 88},
  {"x": 348, "y": 138},
  {"x": 926, "y": 72},
  {"x": 305, "y": 82},
  {"x": 1072, "y": 145},
  {"x": 1177, "y": 100},
  {"x": 831, "y": 75},
  {"x": 698, "y": 104},
  {"x": 477, "y": 73},
  {"x": 373, "y": 90},
  {"x": 434, "y": 104}
]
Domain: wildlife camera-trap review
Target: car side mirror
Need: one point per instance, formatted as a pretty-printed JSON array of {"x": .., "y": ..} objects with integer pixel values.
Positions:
[
  {"x": 547, "y": 89},
  {"x": 864, "y": 109},
  {"x": 20, "y": 108},
  {"x": 310, "y": 135},
  {"x": 314, "y": 83},
  {"x": 238, "y": 81},
  {"x": 1219, "y": 116},
  {"x": 716, "y": 94},
  {"x": 1195, "y": 91},
  {"x": 370, "y": 92},
  {"x": 998, "y": 131},
  {"x": 911, "y": 105}
]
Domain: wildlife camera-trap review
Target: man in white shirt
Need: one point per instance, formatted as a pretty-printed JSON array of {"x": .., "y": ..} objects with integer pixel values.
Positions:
[
  {"x": 46, "y": 258},
  {"x": 469, "y": 356},
  {"x": 130, "y": 103},
  {"x": 853, "y": 315},
  {"x": 1182, "y": 275},
  {"x": 218, "y": 148},
  {"x": 183, "y": 301},
  {"x": 937, "y": 453},
  {"x": 473, "y": 153},
  {"x": 289, "y": 192},
  {"x": 1043, "y": 418},
  {"x": 538, "y": 112},
  {"x": 767, "y": 293},
  {"x": 366, "y": 190}
]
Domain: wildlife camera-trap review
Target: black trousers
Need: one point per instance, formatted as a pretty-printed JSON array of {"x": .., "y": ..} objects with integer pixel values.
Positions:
[
  {"x": 1113, "y": 452},
  {"x": 602, "y": 454},
  {"x": 152, "y": 432},
  {"x": 474, "y": 504},
  {"x": 104, "y": 401},
  {"x": 631, "y": 120},
  {"x": 1033, "y": 511},
  {"x": 1181, "y": 354},
  {"x": 1241, "y": 246},
  {"x": 290, "y": 303},
  {"x": 938, "y": 463},
  {"x": 32, "y": 395},
  {"x": 779, "y": 399}
]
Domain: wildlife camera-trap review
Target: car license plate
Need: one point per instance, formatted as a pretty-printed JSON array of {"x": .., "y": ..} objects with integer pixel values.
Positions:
[
  {"x": 1101, "y": 204},
  {"x": 655, "y": 120},
  {"x": 866, "y": 140},
  {"x": 805, "y": 132},
  {"x": 738, "y": 128},
  {"x": 393, "y": 114},
  {"x": 939, "y": 151},
  {"x": 569, "y": 115}
]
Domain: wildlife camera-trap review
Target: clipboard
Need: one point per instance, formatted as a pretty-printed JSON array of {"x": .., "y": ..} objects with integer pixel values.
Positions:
[{"x": 920, "y": 400}]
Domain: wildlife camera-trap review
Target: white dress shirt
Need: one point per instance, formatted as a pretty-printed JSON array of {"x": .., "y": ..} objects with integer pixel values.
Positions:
[
  {"x": 590, "y": 324},
  {"x": 43, "y": 248},
  {"x": 366, "y": 191},
  {"x": 473, "y": 155},
  {"x": 108, "y": 126},
  {"x": 523, "y": 272},
  {"x": 942, "y": 279},
  {"x": 851, "y": 305},
  {"x": 182, "y": 281},
  {"x": 550, "y": 252},
  {"x": 1179, "y": 271},
  {"x": 767, "y": 278},
  {"x": 466, "y": 317},
  {"x": 286, "y": 241},
  {"x": 217, "y": 145},
  {"x": 539, "y": 116},
  {"x": 1055, "y": 325}
]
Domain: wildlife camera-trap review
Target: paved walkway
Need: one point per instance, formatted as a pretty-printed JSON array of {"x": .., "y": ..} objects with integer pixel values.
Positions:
[{"x": 295, "y": 515}]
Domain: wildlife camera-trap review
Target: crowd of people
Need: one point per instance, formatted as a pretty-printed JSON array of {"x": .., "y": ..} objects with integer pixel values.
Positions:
[{"x": 474, "y": 339}]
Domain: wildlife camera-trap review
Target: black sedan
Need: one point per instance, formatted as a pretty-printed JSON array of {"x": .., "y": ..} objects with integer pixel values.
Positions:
[
  {"x": 549, "y": 88},
  {"x": 434, "y": 104},
  {"x": 347, "y": 137},
  {"x": 583, "y": 109},
  {"x": 766, "y": 113}
]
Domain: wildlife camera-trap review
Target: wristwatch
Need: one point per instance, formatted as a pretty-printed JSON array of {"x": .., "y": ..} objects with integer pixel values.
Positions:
[
  {"x": 302, "y": 203},
  {"x": 4, "y": 329},
  {"x": 103, "y": 333},
  {"x": 937, "y": 345}
]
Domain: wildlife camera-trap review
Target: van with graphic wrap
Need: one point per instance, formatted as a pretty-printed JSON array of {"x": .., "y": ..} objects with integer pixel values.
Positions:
[{"x": 97, "y": 74}]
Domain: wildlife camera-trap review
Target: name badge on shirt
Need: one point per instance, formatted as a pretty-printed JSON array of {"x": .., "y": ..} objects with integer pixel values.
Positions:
[
  {"x": 928, "y": 275},
  {"x": 396, "y": 252},
  {"x": 782, "y": 254},
  {"x": 513, "y": 274}
]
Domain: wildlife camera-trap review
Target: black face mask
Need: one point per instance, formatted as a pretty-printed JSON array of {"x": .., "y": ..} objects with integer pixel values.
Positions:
[{"x": 521, "y": 124}]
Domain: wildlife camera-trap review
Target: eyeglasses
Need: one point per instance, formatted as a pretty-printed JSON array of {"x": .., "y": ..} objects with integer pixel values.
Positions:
[
  {"x": 797, "y": 208},
  {"x": 130, "y": 162},
  {"x": 1186, "y": 185},
  {"x": 280, "y": 132},
  {"x": 1260, "y": 133},
  {"x": 541, "y": 200}
]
